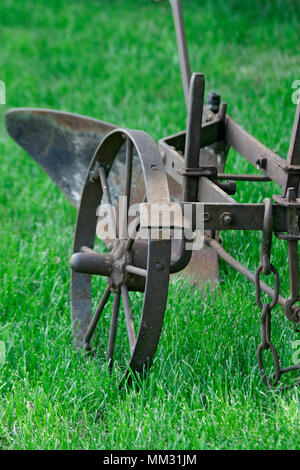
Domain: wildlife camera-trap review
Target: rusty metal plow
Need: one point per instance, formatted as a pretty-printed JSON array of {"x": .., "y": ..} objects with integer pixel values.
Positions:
[{"x": 94, "y": 163}]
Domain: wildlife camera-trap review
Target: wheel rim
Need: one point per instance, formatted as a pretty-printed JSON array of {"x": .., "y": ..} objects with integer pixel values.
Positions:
[{"x": 130, "y": 265}]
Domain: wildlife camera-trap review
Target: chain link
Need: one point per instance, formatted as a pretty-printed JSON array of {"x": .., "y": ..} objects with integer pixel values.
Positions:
[{"x": 267, "y": 268}]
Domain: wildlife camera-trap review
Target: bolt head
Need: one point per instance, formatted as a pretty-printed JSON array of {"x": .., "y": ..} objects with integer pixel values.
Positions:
[
  {"x": 159, "y": 266},
  {"x": 261, "y": 164},
  {"x": 226, "y": 218}
]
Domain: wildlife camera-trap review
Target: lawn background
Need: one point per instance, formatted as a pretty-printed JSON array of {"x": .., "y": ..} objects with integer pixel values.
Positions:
[{"x": 116, "y": 60}]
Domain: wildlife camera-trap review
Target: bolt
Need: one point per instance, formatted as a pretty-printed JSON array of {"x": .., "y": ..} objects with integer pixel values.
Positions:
[
  {"x": 226, "y": 218},
  {"x": 159, "y": 266},
  {"x": 213, "y": 102},
  {"x": 206, "y": 216},
  {"x": 261, "y": 164},
  {"x": 229, "y": 187}
]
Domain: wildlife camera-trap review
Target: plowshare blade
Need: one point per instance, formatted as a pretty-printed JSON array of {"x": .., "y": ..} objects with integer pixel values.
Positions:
[{"x": 61, "y": 143}]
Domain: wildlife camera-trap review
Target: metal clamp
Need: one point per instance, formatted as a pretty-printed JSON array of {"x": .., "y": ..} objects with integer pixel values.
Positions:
[{"x": 267, "y": 238}]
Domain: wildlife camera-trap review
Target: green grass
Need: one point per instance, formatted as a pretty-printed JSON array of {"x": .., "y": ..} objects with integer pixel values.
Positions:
[{"x": 116, "y": 60}]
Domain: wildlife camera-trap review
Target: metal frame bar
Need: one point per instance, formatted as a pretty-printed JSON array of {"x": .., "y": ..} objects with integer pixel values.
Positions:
[
  {"x": 182, "y": 48},
  {"x": 268, "y": 162},
  {"x": 264, "y": 159},
  {"x": 220, "y": 216}
]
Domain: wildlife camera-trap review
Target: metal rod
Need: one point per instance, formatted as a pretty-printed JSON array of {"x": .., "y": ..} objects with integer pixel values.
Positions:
[
  {"x": 182, "y": 48},
  {"x": 241, "y": 268},
  {"x": 232, "y": 177},
  {"x": 124, "y": 203},
  {"x": 113, "y": 329},
  {"x": 267, "y": 161},
  {"x": 128, "y": 318},
  {"x": 92, "y": 263},
  {"x": 87, "y": 249},
  {"x": 107, "y": 200},
  {"x": 132, "y": 235},
  {"x": 136, "y": 270},
  {"x": 293, "y": 257},
  {"x": 293, "y": 157},
  {"x": 97, "y": 315},
  {"x": 134, "y": 227},
  {"x": 191, "y": 158},
  {"x": 123, "y": 218},
  {"x": 192, "y": 145}
]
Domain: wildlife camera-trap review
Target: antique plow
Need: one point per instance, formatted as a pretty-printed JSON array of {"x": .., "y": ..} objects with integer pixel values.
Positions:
[{"x": 99, "y": 166}]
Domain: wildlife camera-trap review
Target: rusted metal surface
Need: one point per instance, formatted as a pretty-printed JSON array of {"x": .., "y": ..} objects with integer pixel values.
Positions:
[
  {"x": 266, "y": 267},
  {"x": 224, "y": 216},
  {"x": 117, "y": 265},
  {"x": 241, "y": 268},
  {"x": 92, "y": 162},
  {"x": 61, "y": 143},
  {"x": 182, "y": 48},
  {"x": 193, "y": 136},
  {"x": 264, "y": 159}
]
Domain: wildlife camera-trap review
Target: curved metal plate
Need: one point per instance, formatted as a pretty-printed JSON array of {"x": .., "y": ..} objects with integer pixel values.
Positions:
[{"x": 61, "y": 143}]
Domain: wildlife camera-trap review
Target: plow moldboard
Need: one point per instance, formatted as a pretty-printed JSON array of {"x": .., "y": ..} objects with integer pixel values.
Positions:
[{"x": 61, "y": 143}]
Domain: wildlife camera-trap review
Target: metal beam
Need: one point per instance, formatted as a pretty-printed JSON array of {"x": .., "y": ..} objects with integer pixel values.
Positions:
[
  {"x": 182, "y": 48},
  {"x": 208, "y": 191},
  {"x": 193, "y": 135},
  {"x": 293, "y": 157},
  {"x": 216, "y": 216},
  {"x": 264, "y": 159},
  {"x": 224, "y": 216}
]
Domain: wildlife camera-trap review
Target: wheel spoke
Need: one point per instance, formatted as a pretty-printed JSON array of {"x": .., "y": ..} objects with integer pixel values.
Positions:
[
  {"x": 132, "y": 235},
  {"x": 107, "y": 200},
  {"x": 124, "y": 202},
  {"x": 134, "y": 229},
  {"x": 123, "y": 211},
  {"x": 128, "y": 318},
  {"x": 113, "y": 329},
  {"x": 96, "y": 317},
  {"x": 87, "y": 249},
  {"x": 135, "y": 270}
]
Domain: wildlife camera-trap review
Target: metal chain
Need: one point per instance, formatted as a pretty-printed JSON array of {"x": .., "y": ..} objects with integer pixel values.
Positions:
[
  {"x": 266, "y": 343},
  {"x": 267, "y": 268}
]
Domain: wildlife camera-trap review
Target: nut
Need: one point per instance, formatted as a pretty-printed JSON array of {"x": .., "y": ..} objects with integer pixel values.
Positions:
[{"x": 226, "y": 218}]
